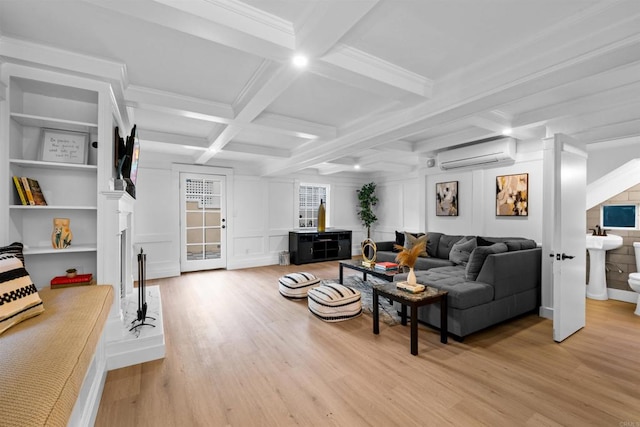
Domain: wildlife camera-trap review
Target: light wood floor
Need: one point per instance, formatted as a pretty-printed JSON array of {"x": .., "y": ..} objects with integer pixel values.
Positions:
[{"x": 239, "y": 354}]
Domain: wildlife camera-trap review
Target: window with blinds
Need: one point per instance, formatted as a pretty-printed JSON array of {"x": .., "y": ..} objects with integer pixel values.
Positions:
[{"x": 309, "y": 201}]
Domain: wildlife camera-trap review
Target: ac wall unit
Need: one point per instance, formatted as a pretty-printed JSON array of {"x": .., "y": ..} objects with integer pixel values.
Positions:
[{"x": 493, "y": 153}]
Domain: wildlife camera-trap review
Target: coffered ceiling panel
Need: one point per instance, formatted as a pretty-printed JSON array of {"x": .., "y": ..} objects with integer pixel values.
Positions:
[{"x": 212, "y": 82}]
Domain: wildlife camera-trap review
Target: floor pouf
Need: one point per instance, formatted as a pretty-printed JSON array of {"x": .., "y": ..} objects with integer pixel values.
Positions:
[
  {"x": 333, "y": 302},
  {"x": 296, "y": 285}
]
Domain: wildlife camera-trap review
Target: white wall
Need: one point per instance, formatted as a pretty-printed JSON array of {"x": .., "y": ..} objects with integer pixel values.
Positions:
[{"x": 259, "y": 215}]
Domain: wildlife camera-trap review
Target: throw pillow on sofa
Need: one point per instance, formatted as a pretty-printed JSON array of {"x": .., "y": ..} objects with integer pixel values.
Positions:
[
  {"x": 14, "y": 249},
  {"x": 18, "y": 294},
  {"x": 479, "y": 254},
  {"x": 461, "y": 250},
  {"x": 410, "y": 241}
]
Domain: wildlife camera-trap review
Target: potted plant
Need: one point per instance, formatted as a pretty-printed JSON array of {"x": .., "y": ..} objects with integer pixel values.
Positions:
[{"x": 367, "y": 200}]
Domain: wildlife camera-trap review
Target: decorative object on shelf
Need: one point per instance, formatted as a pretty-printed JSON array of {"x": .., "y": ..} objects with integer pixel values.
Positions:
[
  {"x": 63, "y": 146},
  {"x": 62, "y": 235},
  {"x": 71, "y": 273},
  {"x": 367, "y": 200},
  {"x": 447, "y": 198},
  {"x": 369, "y": 250},
  {"x": 77, "y": 280},
  {"x": 512, "y": 195},
  {"x": 321, "y": 217},
  {"x": 408, "y": 258}
]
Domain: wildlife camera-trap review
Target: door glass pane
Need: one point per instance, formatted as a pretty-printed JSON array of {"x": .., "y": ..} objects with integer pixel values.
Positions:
[
  {"x": 212, "y": 251},
  {"x": 212, "y": 235},
  {"x": 194, "y": 236},
  {"x": 212, "y": 217},
  {"x": 194, "y": 219}
]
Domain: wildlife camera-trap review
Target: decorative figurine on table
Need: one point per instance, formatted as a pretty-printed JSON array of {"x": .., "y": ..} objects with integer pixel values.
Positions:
[{"x": 62, "y": 235}]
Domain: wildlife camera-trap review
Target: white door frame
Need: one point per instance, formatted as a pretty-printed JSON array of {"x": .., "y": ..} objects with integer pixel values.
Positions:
[{"x": 176, "y": 170}]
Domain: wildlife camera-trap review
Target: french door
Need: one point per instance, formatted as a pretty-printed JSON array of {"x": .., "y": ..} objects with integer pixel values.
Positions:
[{"x": 203, "y": 222}]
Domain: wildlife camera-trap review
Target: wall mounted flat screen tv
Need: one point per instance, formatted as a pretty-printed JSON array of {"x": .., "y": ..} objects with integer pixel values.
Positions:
[{"x": 619, "y": 216}]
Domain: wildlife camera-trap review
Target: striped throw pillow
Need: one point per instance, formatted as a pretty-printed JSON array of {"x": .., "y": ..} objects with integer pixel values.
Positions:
[
  {"x": 14, "y": 249},
  {"x": 19, "y": 299}
]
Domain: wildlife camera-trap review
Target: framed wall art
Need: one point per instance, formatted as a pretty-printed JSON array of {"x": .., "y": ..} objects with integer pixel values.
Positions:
[
  {"x": 62, "y": 146},
  {"x": 447, "y": 198},
  {"x": 512, "y": 195}
]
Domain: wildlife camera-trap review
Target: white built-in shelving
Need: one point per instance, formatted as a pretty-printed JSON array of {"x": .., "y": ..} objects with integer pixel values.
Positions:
[{"x": 71, "y": 190}]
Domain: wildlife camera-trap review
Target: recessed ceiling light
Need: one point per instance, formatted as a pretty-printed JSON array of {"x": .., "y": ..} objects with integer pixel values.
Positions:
[
  {"x": 300, "y": 61},
  {"x": 356, "y": 166},
  {"x": 507, "y": 131}
]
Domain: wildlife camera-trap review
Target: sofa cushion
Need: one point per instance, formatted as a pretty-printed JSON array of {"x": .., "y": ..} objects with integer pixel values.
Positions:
[
  {"x": 14, "y": 249},
  {"x": 410, "y": 241},
  {"x": 399, "y": 240},
  {"x": 431, "y": 262},
  {"x": 481, "y": 241},
  {"x": 461, "y": 250},
  {"x": 444, "y": 245},
  {"x": 462, "y": 293},
  {"x": 519, "y": 245},
  {"x": 433, "y": 239},
  {"x": 479, "y": 254},
  {"x": 19, "y": 299}
]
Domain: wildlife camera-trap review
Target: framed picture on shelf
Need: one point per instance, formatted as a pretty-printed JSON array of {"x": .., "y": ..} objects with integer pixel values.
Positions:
[
  {"x": 63, "y": 146},
  {"x": 512, "y": 195},
  {"x": 447, "y": 198}
]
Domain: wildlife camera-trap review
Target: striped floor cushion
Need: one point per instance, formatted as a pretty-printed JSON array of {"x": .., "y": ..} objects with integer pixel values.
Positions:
[
  {"x": 333, "y": 302},
  {"x": 296, "y": 285}
]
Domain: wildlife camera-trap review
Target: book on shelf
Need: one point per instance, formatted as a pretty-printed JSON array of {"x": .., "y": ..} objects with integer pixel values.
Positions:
[
  {"x": 27, "y": 190},
  {"x": 68, "y": 285},
  {"x": 386, "y": 266},
  {"x": 64, "y": 280},
  {"x": 20, "y": 189},
  {"x": 36, "y": 192}
]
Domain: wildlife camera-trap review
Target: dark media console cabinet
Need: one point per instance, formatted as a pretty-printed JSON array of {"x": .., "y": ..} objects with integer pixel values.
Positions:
[{"x": 312, "y": 246}]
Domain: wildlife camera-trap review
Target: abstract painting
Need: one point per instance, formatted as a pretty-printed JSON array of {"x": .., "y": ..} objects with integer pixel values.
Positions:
[
  {"x": 512, "y": 195},
  {"x": 447, "y": 198}
]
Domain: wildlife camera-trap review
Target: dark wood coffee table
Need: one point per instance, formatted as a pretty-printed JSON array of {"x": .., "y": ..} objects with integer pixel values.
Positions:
[
  {"x": 357, "y": 265},
  {"x": 428, "y": 296}
]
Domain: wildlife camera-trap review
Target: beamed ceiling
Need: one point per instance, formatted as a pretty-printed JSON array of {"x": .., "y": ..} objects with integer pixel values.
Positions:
[{"x": 389, "y": 82}]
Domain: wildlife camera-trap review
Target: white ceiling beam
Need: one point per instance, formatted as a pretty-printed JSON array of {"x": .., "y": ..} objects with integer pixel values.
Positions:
[
  {"x": 180, "y": 105},
  {"x": 276, "y": 45},
  {"x": 379, "y": 70},
  {"x": 397, "y": 146},
  {"x": 240, "y": 17},
  {"x": 494, "y": 121},
  {"x": 257, "y": 150},
  {"x": 153, "y": 136},
  {"x": 262, "y": 96},
  {"x": 449, "y": 108},
  {"x": 294, "y": 127},
  {"x": 583, "y": 105},
  {"x": 609, "y": 132},
  {"x": 326, "y": 22}
]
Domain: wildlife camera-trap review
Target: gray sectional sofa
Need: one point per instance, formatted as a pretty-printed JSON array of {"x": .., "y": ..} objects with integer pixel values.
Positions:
[{"x": 498, "y": 279}]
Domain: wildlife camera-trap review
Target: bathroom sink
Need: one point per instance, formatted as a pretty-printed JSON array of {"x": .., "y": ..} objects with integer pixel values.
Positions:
[
  {"x": 606, "y": 243},
  {"x": 597, "y": 246}
]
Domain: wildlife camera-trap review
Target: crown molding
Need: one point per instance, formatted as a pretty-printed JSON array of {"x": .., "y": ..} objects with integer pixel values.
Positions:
[
  {"x": 42, "y": 55},
  {"x": 241, "y": 17}
]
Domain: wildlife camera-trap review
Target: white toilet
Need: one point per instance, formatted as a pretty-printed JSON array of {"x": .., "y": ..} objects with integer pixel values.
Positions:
[{"x": 634, "y": 278}]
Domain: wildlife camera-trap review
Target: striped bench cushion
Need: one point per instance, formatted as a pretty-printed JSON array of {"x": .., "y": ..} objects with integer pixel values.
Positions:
[
  {"x": 333, "y": 302},
  {"x": 296, "y": 285}
]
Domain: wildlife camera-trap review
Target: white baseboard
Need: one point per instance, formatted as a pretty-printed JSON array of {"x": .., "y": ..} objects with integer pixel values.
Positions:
[
  {"x": 546, "y": 312},
  {"x": 622, "y": 295}
]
